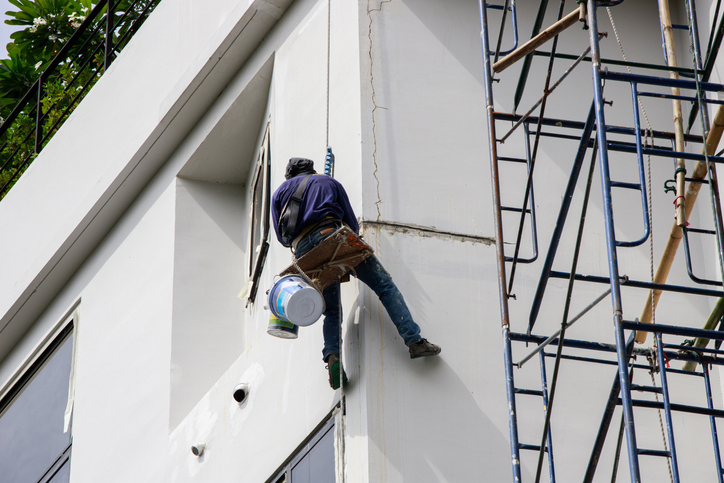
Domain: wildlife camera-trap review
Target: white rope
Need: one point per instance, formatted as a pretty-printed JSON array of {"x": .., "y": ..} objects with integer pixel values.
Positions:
[
  {"x": 329, "y": 27},
  {"x": 339, "y": 292},
  {"x": 648, "y": 137},
  {"x": 623, "y": 55},
  {"x": 652, "y": 361},
  {"x": 649, "y": 141}
]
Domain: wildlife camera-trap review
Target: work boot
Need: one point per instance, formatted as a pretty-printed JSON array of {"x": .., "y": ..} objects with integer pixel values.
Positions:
[
  {"x": 334, "y": 367},
  {"x": 424, "y": 349}
]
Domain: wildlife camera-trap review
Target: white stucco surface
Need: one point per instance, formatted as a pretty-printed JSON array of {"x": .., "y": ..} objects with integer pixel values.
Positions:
[
  {"x": 209, "y": 256},
  {"x": 122, "y": 397},
  {"x": 125, "y": 129},
  {"x": 138, "y": 211}
]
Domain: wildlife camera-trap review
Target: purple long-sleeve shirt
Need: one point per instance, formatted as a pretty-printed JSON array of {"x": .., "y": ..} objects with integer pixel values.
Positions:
[{"x": 324, "y": 196}]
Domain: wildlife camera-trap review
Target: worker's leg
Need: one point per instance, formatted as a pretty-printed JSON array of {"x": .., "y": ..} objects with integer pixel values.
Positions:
[
  {"x": 331, "y": 313},
  {"x": 374, "y": 275}
]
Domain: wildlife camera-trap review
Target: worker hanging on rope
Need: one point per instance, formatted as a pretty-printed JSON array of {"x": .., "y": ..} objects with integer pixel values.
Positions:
[{"x": 323, "y": 209}]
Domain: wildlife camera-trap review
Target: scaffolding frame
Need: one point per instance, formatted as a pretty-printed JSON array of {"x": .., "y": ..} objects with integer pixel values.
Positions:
[{"x": 592, "y": 134}]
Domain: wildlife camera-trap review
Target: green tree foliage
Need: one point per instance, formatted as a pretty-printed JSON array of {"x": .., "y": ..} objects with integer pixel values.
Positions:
[
  {"x": 62, "y": 94},
  {"x": 48, "y": 26},
  {"x": 17, "y": 74}
]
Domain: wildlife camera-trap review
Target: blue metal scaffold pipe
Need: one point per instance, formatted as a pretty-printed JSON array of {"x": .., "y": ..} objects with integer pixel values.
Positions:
[
  {"x": 624, "y": 139},
  {"x": 712, "y": 423},
  {"x": 549, "y": 436},
  {"x": 611, "y": 247},
  {"x": 713, "y": 181},
  {"x": 502, "y": 291},
  {"x": 562, "y": 216},
  {"x": 667, "y": 407}
]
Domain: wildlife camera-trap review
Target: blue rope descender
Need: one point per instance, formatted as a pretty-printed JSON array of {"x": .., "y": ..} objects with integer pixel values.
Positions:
[{"x": 329, "y": 163}]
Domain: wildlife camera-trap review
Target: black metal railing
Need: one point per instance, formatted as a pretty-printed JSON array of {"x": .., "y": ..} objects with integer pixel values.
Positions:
[{"x": 65, "y": 81}]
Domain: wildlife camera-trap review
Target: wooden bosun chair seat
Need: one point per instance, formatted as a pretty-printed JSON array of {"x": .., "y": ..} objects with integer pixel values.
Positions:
[{"x": 329, "y": 261}]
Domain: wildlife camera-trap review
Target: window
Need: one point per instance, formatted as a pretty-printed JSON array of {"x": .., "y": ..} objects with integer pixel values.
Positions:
[
  {"x": 313, "y": 462},
  {"x": 260, "y": 197},
  {"x": 34, "y": 446}
]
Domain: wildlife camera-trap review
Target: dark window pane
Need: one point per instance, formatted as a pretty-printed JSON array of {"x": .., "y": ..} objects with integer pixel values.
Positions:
[
  {"x": 62, "y": 475},
  {"x": 31, "y": 429},
  {"x": 317, "y": 466}
]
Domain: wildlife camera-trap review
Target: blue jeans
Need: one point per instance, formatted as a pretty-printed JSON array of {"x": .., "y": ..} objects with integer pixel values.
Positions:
[{"x": 374, "y": 275}]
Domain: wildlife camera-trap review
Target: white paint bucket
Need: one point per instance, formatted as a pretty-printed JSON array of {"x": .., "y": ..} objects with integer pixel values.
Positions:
[
  {"x": 294, "y": 299},
  {"x": 282, "y": 328}
]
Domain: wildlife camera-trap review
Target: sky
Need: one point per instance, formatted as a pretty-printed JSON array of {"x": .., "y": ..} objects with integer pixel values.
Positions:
[{"x": 5, "y": 30}]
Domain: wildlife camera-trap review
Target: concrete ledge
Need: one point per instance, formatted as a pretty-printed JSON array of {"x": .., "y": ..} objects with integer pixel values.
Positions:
[{"x": 110, "y": 147}]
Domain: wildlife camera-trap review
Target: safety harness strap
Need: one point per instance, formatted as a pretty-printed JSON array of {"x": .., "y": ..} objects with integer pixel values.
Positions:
[{"x": 290, "y": 214}]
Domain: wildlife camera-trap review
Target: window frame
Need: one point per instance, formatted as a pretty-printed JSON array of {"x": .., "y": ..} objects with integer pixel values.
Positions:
[
  {"x": 258, "y": 253},
  {"x": 29, "y": 372},
  {"x": 62, "y": 460},
  {"x": 283, "y": 473},
  {"x": 26, "y": 376}
]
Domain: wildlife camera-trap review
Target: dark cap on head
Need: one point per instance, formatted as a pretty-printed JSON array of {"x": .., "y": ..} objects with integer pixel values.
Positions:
[{"x": 297, "y": 166}]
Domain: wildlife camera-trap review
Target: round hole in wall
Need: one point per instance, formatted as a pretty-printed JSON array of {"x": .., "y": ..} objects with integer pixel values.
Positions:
[{"x": 241, "y": 392}]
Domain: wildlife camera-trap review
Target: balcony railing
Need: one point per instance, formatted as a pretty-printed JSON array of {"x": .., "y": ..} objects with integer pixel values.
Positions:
[{"x": 65, "y": 81}]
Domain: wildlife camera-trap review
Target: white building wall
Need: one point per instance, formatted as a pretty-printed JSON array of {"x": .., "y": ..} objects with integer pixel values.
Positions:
[
  {"x": 426, "y": 177},
  {"x": 151, "y": 237},
  {"x": 210, "y": 251},
  {"x": 126, "y": 119},
  {"x": 124, "y": 349},
  {"x": 425, "y": 163},
  {"x": 289, "y": 394}
]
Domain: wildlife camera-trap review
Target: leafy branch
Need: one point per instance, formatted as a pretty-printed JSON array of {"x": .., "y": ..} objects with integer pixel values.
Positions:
[{"x": 48, "y": 26}]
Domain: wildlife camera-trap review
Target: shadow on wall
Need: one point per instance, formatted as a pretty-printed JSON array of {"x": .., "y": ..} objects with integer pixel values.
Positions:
[
  {"x": 443, "y": 433},
  {"x": 446, "y": 21},
  {"x": 227, "y": 218},
  {"x": 431, "y": 419}
]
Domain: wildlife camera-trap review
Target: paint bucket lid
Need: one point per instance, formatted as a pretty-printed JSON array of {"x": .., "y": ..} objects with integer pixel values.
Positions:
[
  {"x": 305, "y": 306},
  {"x": 282, "y": 329},
  {"x": 295, "y": 299}
]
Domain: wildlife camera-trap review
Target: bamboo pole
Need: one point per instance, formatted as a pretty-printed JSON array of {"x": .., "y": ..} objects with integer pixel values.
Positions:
[
  {"x": 675, "y": 235},
  {"x": 541, "y": 38},
  {"x": 679, "y": 201},
  {"x": 710, "y": 324}
]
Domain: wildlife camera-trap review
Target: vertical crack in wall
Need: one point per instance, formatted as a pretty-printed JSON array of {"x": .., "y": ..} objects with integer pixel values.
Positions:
[{"x": 375, "y": 172}]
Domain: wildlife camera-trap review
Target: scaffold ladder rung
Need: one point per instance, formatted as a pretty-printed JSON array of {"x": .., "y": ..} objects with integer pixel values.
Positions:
[
  {"x": 531, "y": 447},
  {"x": 655, "y": 452},
  {"x": 530, "y": 205},
  {"x": 687, "y": 255},
  {"x": 652, "y": 389},
  {"x": 626, "y": 141},
  {"x": 529, "y": 392}
]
